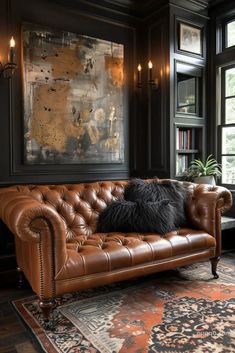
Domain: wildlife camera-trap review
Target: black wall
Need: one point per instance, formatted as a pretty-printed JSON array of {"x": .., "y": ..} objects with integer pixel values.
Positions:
[
  {"x": 145, "y": 35},
  {"x": 82, "y": 19}
]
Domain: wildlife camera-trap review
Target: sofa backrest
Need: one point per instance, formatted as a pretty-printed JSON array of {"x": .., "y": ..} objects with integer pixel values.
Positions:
[{"x": 79, "y": 205}]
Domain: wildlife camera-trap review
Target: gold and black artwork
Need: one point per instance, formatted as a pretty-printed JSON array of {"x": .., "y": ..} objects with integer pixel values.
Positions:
[{"x": 73, "y": 98}]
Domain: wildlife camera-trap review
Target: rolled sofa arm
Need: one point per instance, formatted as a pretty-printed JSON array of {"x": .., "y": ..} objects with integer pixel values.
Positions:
[
  {"x": 21, "y": 212},
  {"x": 204, "y": 205},
  {"x": 41, "y": 238}
]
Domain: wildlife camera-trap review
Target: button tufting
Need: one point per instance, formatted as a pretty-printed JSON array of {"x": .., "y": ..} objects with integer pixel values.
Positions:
[{"x": 75, "y": 209}]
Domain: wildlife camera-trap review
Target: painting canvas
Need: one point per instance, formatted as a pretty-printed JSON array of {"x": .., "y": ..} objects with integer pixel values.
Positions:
[{"x": 73, "y": 98}]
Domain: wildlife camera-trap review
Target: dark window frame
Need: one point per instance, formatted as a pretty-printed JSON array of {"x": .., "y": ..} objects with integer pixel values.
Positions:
[
  {"x": 222, "y": 35},
  {"x": 225, "y": 37},
  {"x": 223, "y": 91},
  {"x": 223, "y": 123}
]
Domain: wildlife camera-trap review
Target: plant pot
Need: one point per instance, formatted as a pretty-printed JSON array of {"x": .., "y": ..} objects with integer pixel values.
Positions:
[{"x": 207, "y": 179}]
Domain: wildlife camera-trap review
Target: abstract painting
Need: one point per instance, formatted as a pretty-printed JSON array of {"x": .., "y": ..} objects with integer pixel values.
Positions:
[{"x": 73, "y": 98}]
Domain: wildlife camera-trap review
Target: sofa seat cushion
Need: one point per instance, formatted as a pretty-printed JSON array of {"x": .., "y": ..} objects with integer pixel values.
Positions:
[{"x": 102, "y": 252}]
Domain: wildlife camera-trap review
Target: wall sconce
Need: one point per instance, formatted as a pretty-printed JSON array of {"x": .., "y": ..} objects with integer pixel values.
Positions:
[
  {"x": 153, "y": 83},
  {"x": 7, "y": 70}
]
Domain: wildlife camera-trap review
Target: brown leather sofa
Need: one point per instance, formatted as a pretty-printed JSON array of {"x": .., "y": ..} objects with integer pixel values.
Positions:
[{"x": 60, "y": 251}]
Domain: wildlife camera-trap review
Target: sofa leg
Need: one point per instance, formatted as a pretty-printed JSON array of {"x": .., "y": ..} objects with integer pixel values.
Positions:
[
  {"x": 20, "y": 277},
  {"x": 214, "y": 262},
  {"x": 46, "y": 306}
]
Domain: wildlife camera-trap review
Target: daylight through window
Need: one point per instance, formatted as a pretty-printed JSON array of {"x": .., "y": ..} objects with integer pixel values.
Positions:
[{"x": 228, "y": 125}]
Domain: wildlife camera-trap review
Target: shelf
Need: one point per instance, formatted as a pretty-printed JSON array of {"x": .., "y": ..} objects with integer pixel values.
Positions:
[
  {"x": 188, "y": 141},
  {"x": 187, "y": 151}
]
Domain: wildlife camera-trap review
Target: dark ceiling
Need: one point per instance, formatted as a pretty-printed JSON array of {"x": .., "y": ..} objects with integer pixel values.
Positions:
[{"x": 141, "y": 8}]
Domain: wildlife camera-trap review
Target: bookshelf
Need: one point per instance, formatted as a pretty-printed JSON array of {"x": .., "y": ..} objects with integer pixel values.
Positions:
[
  {"x": 176, "y": 126},
  {"x": 189, "y": 113},
  {"x": 188, "y": 146}
]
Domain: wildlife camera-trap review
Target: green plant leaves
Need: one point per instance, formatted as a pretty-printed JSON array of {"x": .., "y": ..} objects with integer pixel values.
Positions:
[{"x": 209, "y": 167}]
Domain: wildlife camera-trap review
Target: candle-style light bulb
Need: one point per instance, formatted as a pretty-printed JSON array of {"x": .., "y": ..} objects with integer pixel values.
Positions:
[
  {"x": 150, "y": 66},
  {"x": 139, "y": 68},
  {"x": 12, "y": 42},
  {"x": 12, "y": 51}
]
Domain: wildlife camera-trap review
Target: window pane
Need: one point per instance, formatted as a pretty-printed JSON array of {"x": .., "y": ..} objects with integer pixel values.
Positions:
[
  {"x": 228, "y": 168},
  {"x": 230, "y": 34},
  {"x": 230, "y": 82},
  {"x": 228, "y": 140},
  {"x": 230, "y": 110}
]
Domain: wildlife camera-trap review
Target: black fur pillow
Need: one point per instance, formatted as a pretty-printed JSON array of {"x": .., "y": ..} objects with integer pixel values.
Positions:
[
  {"x": 139, "y": 189},
  {"x": 143, "y": 217}
]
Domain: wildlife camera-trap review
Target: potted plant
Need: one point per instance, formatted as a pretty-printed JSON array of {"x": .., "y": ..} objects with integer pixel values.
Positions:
[{"x": 204, "y": 172}]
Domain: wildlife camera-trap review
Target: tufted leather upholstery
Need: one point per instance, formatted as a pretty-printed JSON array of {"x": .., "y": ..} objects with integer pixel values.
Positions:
[{"x": 59, "y": 249}]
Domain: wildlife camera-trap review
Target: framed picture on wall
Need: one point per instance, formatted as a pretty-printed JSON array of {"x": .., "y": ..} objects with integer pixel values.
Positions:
[
  {"x": 73, "y": 98},
  {"x": 190, "y": 38}
]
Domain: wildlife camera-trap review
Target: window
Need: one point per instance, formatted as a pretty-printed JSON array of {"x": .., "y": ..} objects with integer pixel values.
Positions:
[
  {"x": 230, "y": 95},
  {"x": 230, "y": 34},
  {"x": 226, "y": 40},
  {"x": 228, "y": 124}
]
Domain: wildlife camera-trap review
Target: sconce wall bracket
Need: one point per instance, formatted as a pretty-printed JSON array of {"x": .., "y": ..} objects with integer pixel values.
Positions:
[
  {"x": 153, "y": 84},
  {"x": 7, "y": 70}
]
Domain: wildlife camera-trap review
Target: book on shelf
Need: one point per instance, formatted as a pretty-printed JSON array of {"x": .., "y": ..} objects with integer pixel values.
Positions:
[
  {"x": 183, "y": 138},
  {"x": 182, "y": 163}
]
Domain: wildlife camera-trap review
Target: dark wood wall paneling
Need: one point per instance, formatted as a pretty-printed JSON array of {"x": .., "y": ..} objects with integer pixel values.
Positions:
[
  {"x": 147, "y": 33},
  {"x": 4, "y": 95},
  {"x": 139, "y": 128},
  {"x": 151, "y": 121},
  {"x": 163, "y": 48},
  {"x": 144, "y": 30},
  {"x": 177, "y": 16},
  {"x": 63, "y": 17},
  {"x": 158, "y": 102},
  {"x": 156, "y": 108}
]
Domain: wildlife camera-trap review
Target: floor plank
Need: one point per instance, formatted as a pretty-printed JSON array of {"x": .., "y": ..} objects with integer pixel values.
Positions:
[
  {"x": 25, "y": 347},
  {"x": 14, "y": 335}
]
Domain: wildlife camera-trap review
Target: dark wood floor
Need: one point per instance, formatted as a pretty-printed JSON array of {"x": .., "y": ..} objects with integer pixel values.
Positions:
[{"x": 15, "y": 337}]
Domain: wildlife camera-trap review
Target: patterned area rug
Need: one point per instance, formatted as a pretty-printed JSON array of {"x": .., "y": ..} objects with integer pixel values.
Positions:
[{"x": 171, "y": 312}]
